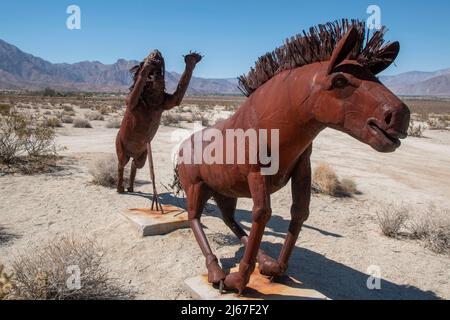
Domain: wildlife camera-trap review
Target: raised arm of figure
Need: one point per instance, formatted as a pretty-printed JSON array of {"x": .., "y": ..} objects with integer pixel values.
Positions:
[{"x": 173, "y": 100}]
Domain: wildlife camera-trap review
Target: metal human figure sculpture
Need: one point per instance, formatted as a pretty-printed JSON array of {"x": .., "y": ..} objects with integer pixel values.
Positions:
[
  {"x": 324, "y": 78},
  {"x": 145, "y": 104}
]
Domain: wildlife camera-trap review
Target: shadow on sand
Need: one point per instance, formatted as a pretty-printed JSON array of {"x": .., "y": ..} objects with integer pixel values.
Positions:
[{"x": 333, "y": 279}]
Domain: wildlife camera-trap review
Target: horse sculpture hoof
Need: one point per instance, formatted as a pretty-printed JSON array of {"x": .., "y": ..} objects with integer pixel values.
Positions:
[
  {"x": 215, "y": 273},
  {"x": 235, "y": 281},
  {"x": 130, "y": 189},
  {"x": 271, "y": 268},
  {"x": 120, "y": 190}
]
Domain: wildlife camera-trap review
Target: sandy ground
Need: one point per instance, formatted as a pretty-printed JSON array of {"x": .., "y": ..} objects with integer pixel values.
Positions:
[{"x": 340, "y": 241}]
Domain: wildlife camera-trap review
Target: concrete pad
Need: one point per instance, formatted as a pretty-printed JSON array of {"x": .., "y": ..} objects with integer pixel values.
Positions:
[
  {"x": 149, "y": 222},
  {"x": 259, "y": 288}
]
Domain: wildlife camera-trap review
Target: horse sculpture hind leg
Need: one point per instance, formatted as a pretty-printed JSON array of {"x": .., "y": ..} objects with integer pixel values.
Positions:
[
  {"x": 259, "y": 186},
  {"x": 267, "y": 265},
  {"x": 197, "y": 196},
  {"x": 122, "y": 161}
]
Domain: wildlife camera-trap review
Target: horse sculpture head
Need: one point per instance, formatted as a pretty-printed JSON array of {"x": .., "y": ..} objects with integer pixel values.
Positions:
[
  {"x": 349, "y": 97},
  {"x": 333, "y": 70}
]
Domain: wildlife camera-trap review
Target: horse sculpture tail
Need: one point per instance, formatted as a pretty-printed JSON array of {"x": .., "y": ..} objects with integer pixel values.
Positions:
[{"x": 176, "y": 183}]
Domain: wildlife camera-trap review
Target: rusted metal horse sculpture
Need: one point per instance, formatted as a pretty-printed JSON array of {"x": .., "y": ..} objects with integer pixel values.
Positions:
[
  {"x": 145, "y": 105},
  {"x": 324, "y": 78}
]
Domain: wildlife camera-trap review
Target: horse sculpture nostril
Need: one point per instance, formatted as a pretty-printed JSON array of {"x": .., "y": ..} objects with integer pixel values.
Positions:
[{"x": 388, "y": 119}]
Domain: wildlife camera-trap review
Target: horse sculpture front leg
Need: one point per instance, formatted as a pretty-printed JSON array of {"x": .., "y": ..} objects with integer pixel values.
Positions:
[
  {"x": 259, "y": 186},
  {"x": 301, "y": 196}
]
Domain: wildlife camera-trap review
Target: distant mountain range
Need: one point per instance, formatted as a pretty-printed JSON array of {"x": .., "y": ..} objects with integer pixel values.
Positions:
[
  {"x": 416, "y": 83},
  {"x": 20, "y": 70}
]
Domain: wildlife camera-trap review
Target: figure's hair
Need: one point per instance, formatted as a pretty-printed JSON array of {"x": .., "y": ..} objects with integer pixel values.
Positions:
[{"x": 315, "y": 46}]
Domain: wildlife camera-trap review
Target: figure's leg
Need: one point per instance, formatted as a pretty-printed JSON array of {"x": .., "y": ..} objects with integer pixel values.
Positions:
[
  {"x": 197, "y": 196},
  {"x": 301, "y": 196},
  {"x": 228, "y": 207},
  {"x": 132, "y": 177},
  {"x": 259, "y": 188},
  {"x": 137, "y": 163},
  {"x": 155, "y": 198},
  {"x": 122, "y": 160}
]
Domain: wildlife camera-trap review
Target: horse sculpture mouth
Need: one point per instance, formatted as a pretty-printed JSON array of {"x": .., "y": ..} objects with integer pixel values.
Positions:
[{"x": 383, "y": 134}]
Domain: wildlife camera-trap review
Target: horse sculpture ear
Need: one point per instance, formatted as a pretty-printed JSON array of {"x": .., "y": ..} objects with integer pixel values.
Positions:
[
  {"x": 343, "y": 49},
  {"x": 385, "y": 57}
]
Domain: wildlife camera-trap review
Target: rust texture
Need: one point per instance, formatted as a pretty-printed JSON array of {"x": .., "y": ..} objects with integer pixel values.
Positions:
[
  {"x": 146, "y": 102},
  {"x": 333, "y": 84}
]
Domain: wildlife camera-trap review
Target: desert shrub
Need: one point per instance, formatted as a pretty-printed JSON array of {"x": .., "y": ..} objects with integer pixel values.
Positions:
[
  {"x": 40, "y": 141},
  {"x": 433, "y": 227},
  {"x": 69, "y": 113},
  {"x": 348, "y": 186},
  {"x": 104, "y": 172},
  {"x": 94, "y": 115},
  {"x": 68, "y": 108},
  {"x": 391, "y": 219},
  {"x": 104, "y": 110},
  {"x": 13, "y": 136},
  {"x": 436, "y": 124},
  {"x": 438, "y": 240},
  {"x": 6, "y": 285},
  {"x": 415, "y": 130},
  {"x": 67, "y": 119},
  {"x": 5, "y": 108},
  {"x": 49, "y": 92},
  {"x": 326, "y": 181},
  {"x": 81, "y": 123},
  {"x": 171, "y": 119},
  {"x": 114, "y": 123},
  {"x": 54, "y": 122},
  {"x": 45, "y": 273}
]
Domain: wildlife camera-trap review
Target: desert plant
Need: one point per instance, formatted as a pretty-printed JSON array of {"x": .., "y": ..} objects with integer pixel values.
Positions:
[
  {"x": 40, "y": 141},
  {"x": 113, "y": 123},
  {"x": 438, "y": 239},
  {"x": 67, "y": 119},
  {"x": 21, "y": 135},
  {"x": 68, "y": 108},
  {"x": 5, "y": 108},
  {"x": 433, "y": 227},
  {"x": 171, "y": 119},
  {"x": 415, "y": 130},
  {"x": 348, "y": 186},
  {"x": 325, "y": 180},
  {"x": 436, "y": 124},
  {"x": 13, "y": 136},
  {"x": 81, "y": 123},
  {"x": 65, "y": 269},
  {"x": 6, "y": 285},
  {"x": 104, "y": 110},
  {"x": 391, "y": 219},
  {"x": 104, "y": 172},
  {"x": 54, "y": 122},
  {"x": 94, "y": 116}
]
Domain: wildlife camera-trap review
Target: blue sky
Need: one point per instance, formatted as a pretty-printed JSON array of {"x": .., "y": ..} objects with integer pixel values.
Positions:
[{"x": 231, "y": 33}]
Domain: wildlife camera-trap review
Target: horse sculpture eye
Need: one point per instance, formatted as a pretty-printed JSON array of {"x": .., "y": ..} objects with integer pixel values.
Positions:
[{"x": 340, "y": 82}]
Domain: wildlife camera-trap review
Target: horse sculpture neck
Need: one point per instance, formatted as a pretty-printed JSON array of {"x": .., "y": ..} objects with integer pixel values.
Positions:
[{"x": 283, "y": 103}]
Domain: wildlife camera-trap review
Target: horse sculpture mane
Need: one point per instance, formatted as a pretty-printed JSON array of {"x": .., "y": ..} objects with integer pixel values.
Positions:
[{"x": 316, "y": 46}]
